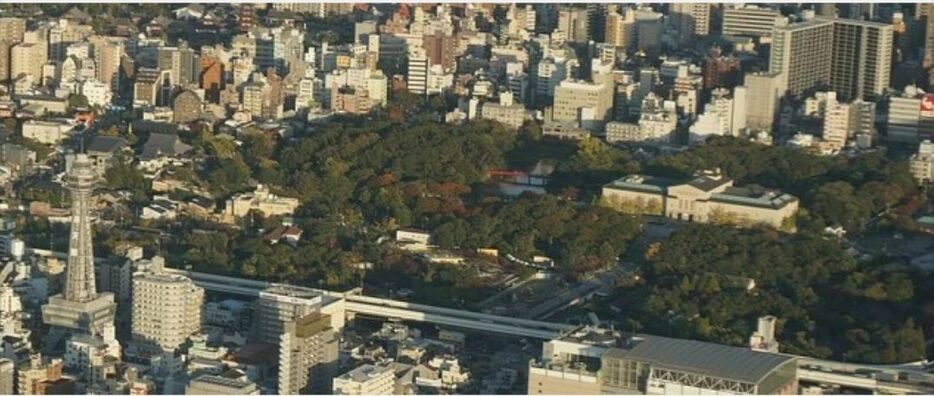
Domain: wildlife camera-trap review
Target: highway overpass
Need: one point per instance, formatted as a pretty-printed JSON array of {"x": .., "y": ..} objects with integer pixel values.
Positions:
[{"x": 355, "y": 304}]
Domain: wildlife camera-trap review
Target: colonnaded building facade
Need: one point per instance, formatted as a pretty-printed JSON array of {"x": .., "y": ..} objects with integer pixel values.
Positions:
[{"x": 708, "y": 197}]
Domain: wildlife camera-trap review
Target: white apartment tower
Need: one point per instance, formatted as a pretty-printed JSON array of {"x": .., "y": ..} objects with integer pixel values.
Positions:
[{"x": 166, "y": 308}]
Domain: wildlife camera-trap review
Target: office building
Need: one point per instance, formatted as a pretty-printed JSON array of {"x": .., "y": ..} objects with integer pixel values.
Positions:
[
  {"x": 166, "y": 309},
  {"x": 593, "y": 361},
  {"x": 910, "y": 116},
  {"x": 750, "y": 20},
  {"x": 763, "y": 94},
  {"x": 707, "y": 198},
  {"x": 367, "y": 379},
  {"x": 307, "y": 355},
  {"x": 583, "y": 104},
  {"x": 417, "y": 76},
  {"x": 922, "y": 163}
]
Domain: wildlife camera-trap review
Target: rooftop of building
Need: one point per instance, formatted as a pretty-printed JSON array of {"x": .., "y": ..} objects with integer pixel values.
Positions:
[
  {"x": 754, "y": 196},
  {"x": 704, "y": 358},
  {"x": 365, "y": 373},
  {"x": 223, "y": 380}
]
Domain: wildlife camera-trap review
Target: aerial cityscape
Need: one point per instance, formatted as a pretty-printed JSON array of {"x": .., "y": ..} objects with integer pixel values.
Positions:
[{"x": 466, "y": 198}]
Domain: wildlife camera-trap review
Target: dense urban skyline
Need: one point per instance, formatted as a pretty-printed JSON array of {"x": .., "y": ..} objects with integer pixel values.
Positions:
[{"x": 470, "y": 198}]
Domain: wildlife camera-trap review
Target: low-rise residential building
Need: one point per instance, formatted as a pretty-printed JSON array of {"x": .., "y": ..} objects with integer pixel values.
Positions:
[
  {"x": 47, "y": 132},
  {"x": 260, "y": 200},
  {"x": 365, "y": 380},
  {"x": 708, "y": 198}
]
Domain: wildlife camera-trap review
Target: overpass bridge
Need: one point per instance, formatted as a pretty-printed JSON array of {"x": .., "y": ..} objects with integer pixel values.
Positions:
[{"x": 356, "y": 304}]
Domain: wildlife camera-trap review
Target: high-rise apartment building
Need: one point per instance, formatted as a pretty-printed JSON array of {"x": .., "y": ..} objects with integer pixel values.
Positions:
[
  {"x": 7, "y": 376},
  {"x": 182, "y": 62},
  {"x": 852, "y": 57},
  {"x": 166, "y": 309},
  {"x": 573, "y": 25},
  {"x": 12, "y": 29},
  {"x": 691, "y": 20},
  {"x": 439, "y": 49},
  {"x": 910, "y": 116},
  {"x": 801, "y": 53},
  {"x": 307, "y": 355},
  {"x": 621, "y": 30},
  {"x": 750, "y": 20},
  {"x": 108, "y": 53},
  {"x": 26, "y": 59},
  {"x": 861, "y": 58},
  {"x": 928, "y": 57},
  {"x": 11, "y": 33}
]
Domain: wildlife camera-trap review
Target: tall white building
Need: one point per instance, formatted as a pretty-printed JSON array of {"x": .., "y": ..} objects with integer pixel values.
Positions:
[
  {"x": 97, "y": 93},
  {"x": 723, "y": 116},
  {"x": 417, "y": 77},
  {"x": 837, "y": 125},
  {"x": 166, "y": 309},
  {"x": 750, "y": 20}
]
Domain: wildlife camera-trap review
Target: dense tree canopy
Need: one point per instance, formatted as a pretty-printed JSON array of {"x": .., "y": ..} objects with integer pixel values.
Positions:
[{"x": 696, "y": 285}]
